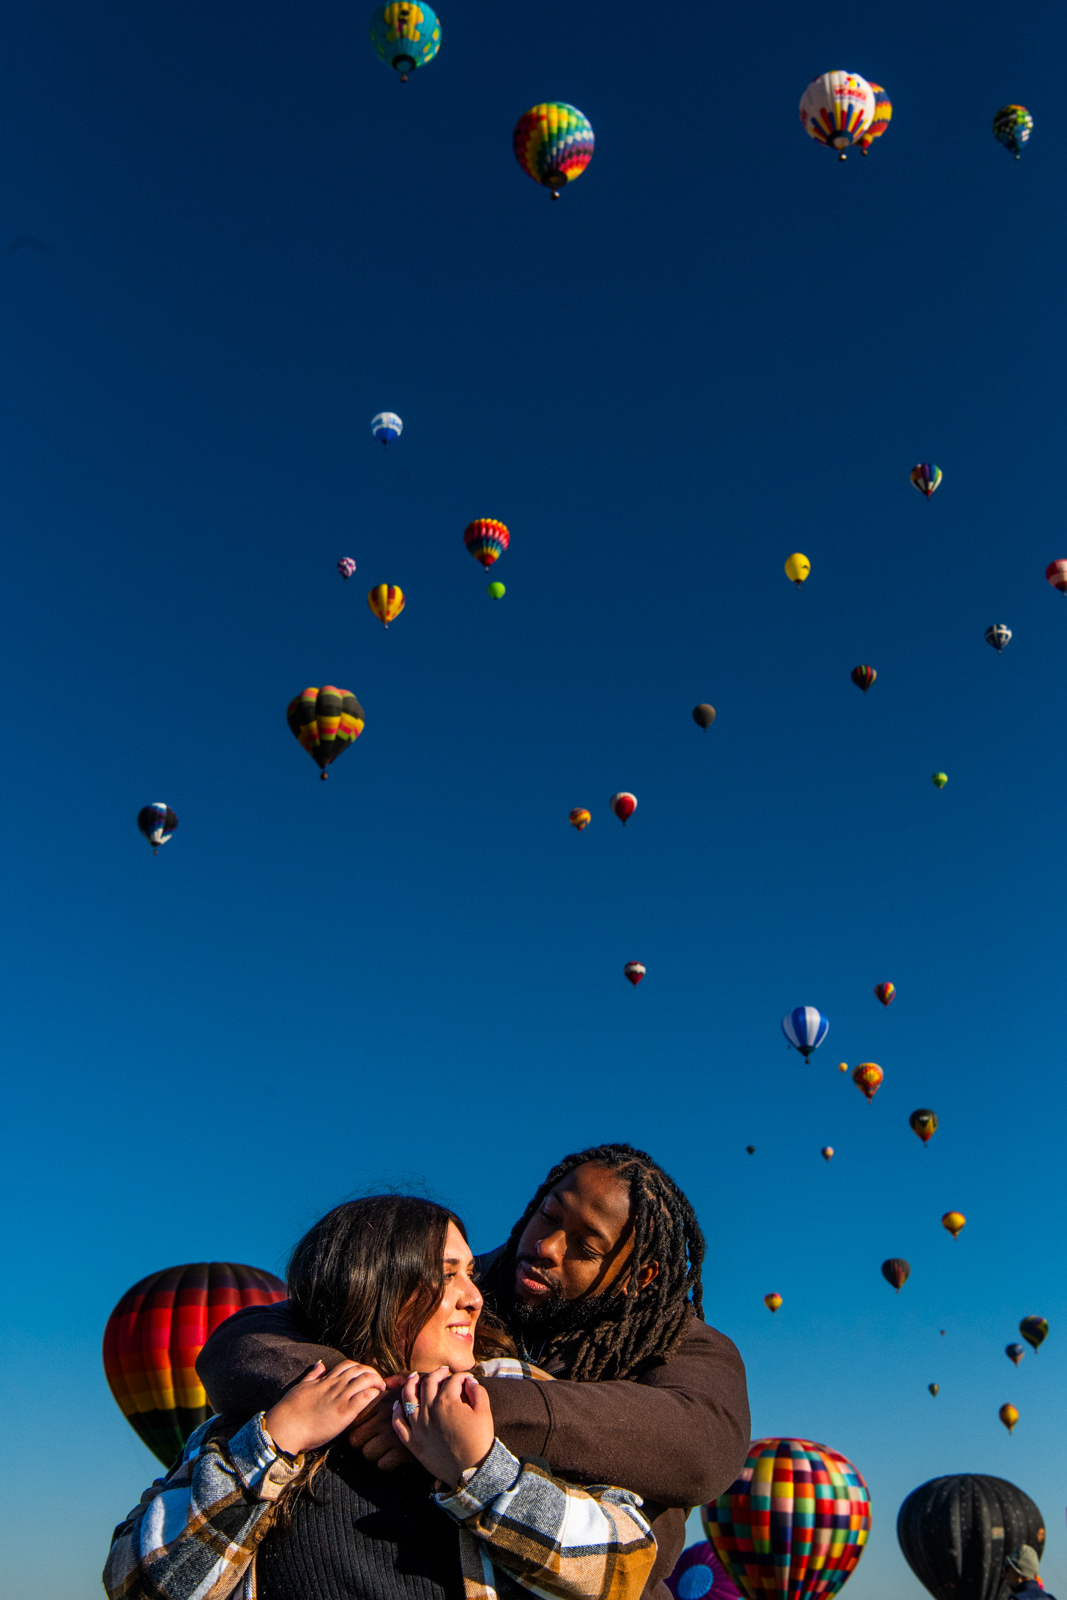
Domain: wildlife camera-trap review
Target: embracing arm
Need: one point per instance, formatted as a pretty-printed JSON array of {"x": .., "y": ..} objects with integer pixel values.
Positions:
[{"x": 254, "y": 1356}]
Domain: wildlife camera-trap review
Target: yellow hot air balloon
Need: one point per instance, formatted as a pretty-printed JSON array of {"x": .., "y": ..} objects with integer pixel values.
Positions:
[
  {"x": 580, "y": 818},
  {"x": 772, "y": 1301},
  {"x": 842, "y": 1066},
  {"x": 797, "y": 569},
  {"x": 387, "y": 602},
  {"x": 1009, "y": 1416},
  {"x": 955, "y": 1222}
]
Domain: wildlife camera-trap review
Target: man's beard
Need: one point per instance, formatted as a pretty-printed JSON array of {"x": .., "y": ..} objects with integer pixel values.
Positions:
[{"x": 553, "y": 1322}]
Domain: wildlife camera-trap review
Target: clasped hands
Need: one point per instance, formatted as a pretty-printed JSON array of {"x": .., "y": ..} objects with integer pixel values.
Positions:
[{"x": 449, "y": 1431}]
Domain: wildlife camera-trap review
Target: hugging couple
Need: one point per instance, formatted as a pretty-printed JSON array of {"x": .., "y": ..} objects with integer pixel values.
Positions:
[{"x": 406, "y": 1427}]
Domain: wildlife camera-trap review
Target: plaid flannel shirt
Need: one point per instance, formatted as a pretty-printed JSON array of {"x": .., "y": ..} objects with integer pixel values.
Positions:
[{"x": 194, "y": 1534}]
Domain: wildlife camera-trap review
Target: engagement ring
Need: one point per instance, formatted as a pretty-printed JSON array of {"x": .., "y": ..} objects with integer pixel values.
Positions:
[{"x": 411, "y": 1408}]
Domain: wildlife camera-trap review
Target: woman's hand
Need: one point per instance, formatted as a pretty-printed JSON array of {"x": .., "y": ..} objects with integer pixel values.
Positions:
[
  {"x": 322, "y": 1405},
  {"x": 451, "y": 1427}
]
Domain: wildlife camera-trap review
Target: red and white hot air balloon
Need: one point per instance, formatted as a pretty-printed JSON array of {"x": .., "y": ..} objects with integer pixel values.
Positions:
[
  {"x": 635, "y": 971},
  {"x": 1056, "y": 573},
  {"x": 624, "y": 805}
]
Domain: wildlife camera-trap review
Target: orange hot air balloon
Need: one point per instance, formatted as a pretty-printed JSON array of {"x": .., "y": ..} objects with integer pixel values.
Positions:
[
  {"x": 955, "y": 1222},
  {"x": 580, "y": 818},
  {"x": 387, "y": 602},
  {"x": 867, "y": 1078},
  {"x": 155, "y": 1334},
  {"x": 885, "y": 992},
  {"x": 1009, "y": 1416},
  {"x": 326, "y": 721},
  {"x": 772, "y": 1301}
]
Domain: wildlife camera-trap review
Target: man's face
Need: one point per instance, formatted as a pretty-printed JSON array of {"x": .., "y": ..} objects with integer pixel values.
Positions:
[{"x": 580, "y": 1240}]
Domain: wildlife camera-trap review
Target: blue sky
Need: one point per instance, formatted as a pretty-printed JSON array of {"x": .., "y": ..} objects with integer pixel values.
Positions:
[{"x": 719, "y": 347}]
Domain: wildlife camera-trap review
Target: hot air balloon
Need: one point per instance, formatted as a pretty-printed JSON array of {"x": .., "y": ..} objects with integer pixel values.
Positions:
[
  {"x": 1012, "y": 126},
  {"x": 955, "y": 1533},
  {"x": 793, "y": 1524},
  {"x": 346, "y": 566},
  {"x": 827, "y": 1152},
  {"x": 998, "y": 636},
  {"x": 387, "y": 602},
  {"x": 155, "y": 1334},
  {"x": 939, "y": 780},
  {"x": 157, "y": 822},
  {"x": 868, "y": 1077},
  {"x": 885, "y": 992},
  {"x": 896, "y": 1271},
  {"x": 926, "y": 477},
  {"x": 635, "y": 971},
  {"x": 1014, "y": 1352},
  {"x": 1009, "y": 1416},
  {"x": 580, "y": 818},
  {"x": 704, "y": 716},
  {"x": 863, "y": 677},
  {"x": 934, "y": 1388},
  {"x": 1034, "y": 1330},
  {"x": 751, "y": 1148},
  {"x": 497, "y": 591},
  {"x": 805, "y": 1029},
  {"x": 700, "y": 1575},
  {"x": 553, "y": 144},
  {"x": 797, "y": 568},
  {"x": 772, "y": 1301},
  {"x": 405, "y": 35},
  {"x": 837, "y": 109},
  {"x": 624, "y": 805},
  {"x": 1056, "y": 573},
  {"x": 386, "y": 426},
  {"x": 842, "y": 1066},
  {"x": 883, "y": 116},
  {"x": 924, "y": 1123},
  {"x": 326, "y": 721},
  {"x": 954, "y": 1222},
  {"x": 486, "y": 539}
]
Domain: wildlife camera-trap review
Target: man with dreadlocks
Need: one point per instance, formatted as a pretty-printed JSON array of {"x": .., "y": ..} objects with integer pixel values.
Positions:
[{"x": 599, "y": 1284}]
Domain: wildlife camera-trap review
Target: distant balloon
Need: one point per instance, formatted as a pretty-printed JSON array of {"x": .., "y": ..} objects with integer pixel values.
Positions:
[
  {"x": 700, "y": 1575},
  {"x": 797, "y": 569},
  {"x": 751, "y": 1148},
  {"x": 387, "y": 602},
  {"x": 486, "y": 539},
  {"x": 934, "y": 1388},
  {"x": 326, "y": 721},
  {"x": 346, "y": 566},
  {"x": 1034, "y": 1330},
  {"x": 581, "y": 818},
  {"x": 885, "y": 992},
  {"x": 772, "y": 1301},
  {"x": 867, "y": 1078},
  {"x": 805, "y": 1028},
  {"x": 1056, "y": 573},
  {"x": 926, "y": 477},
  {"x": 842, "y": 1066},
  {"x": 1012, "y": 126},
  {"x": 883, "y": 115},
  {"x": 827, "y": 1152},
  {"x": 998, "y": 636},
  {"x": 939, "y": 780},
  {"x": 896, "y": 1271},
  {"x": 624, "y": 805},
  {"x": 703, "y": 716},
  {"x": 955, "y": 1533},
  {"x": 553, "y": 144},
  {"x": 863, "y": 677},
  {"x": 1009, "y": 1416},
  {"x": 157, "y": 822},
  {"x": 954, "y": 1222},
  {"x": 635, "y": 971},
  {"x": 1014, "y": 1352},
  {"x": 386, "y": 426},
  {"x": 405, "y": 35},
  {"x": 497, "y": 591},
  {"x": 836, "y": 109},
  {"x": 924, "y": 1123}
]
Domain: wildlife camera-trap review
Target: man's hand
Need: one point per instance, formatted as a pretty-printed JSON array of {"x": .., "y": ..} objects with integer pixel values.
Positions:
[
  {"x": 373, "y": 1433},
  {"x": 322, "y": 1405},
  {"x": 451, "y": 1427}
]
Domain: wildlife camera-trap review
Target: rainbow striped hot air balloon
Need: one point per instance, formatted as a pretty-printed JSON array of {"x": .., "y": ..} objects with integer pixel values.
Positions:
[
  {"x": 926, "y": 477},
  {"x": 883, "y": 115},
  {"x": 486, "y": 539},
  {"x": 155, "y": 1334},
  {"x": 553, "y": 144},
  {"x": 326, "y": 721}
]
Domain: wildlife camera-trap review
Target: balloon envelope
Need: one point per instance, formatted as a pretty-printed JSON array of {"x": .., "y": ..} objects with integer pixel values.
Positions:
[
  {"x": 700, "y": 1575},
  {"x": 553, "y": 144},
  {"x": 956, "y": 1531},
  {"x": 885, "y": 992},
  {"x": 624, "y": 805},
  {"x": 580, "y": 818},
  {"x": 387, "y": 602},
  {"x": 868, "y": 1077},
  {"x": 1014, "y": 1352},
  {"x": 805, "y": 1029},
  {"x": 386, "y": 426},
  {"x": 772, "y": 1301},
  {"x": 883, "y": 116},
  {"x": 926, "y": 477},
  {"x": 704, "y": 716},
  {"x": 1034, "y": 1330},
  {"x": 998, "y": 636},
  {"x": 406, "y": 35},
  {"x": 863, "y": 677},
  {"x": 1009, "y": 1416},
  {"x": 346, "y": 566},
  {"x": 1056, "y": 573},
  {"x": 827, "y": 1152},
  {"x": 157, "y": 822},
  {"x": 497, "y": 591},
  {"x": 924, "y": 1123},
  {"x": 954, "y": 1222},
  {"x": 326, "y": 721},
  {"x": 837, "y": 109},
  {"x": 934, "y": 1388},
  {"x": 797, "y": 568},
  {"x": 486, "y": 539},
  {"x": 896, "y": 1271},
  {"x": 1012, "y": 126},
  {"x": 635, "y": 971},
  {"x": 939, "y": 779}
]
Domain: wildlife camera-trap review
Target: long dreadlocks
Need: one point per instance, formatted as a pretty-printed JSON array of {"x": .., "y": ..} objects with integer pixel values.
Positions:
[{"x": 652, "y": 1320}]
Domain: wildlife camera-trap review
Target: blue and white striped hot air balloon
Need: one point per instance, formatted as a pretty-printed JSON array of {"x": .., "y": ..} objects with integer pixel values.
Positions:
[
  {"x": 805, "y": 1028},
  {"x": 387, "y": 426}
]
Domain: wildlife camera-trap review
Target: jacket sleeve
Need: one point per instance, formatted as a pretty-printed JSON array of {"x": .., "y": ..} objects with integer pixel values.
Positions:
[
  {"x": 557, "y": 1540},
  {"x": 677, "y": 1436},
  {"x": 194, "y": 1533},
  {"x": 254, "y": 1356}
]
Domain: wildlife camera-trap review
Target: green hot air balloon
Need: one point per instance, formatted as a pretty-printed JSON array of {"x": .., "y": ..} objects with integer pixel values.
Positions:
[
  {"x": 1034, "y": 1330},
  {"x": 497, "y": 590},
  {"x": 939, "y": 779}
]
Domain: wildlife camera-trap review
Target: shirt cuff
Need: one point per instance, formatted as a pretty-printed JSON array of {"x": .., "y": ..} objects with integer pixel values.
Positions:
[
  {"x": 261, "y": 1465},
  {"x": 498, "y": 1472}
]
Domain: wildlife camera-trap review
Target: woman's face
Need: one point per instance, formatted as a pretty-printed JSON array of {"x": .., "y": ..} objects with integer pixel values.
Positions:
[{"x": 447, "y": 1339}]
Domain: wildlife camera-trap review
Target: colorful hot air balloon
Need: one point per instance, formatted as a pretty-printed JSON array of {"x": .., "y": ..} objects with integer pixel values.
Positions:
[
  {"x": 581, "y": 818},
  {"x": 896, "y": 1271},
  {"x": 553, "y": 144},
  {"x": 837, "y": 109},
  {"x": 863, "y": 677},
  {"x": 387, "y": 602},
  {"x": 1034, "y": 1330},
  {"x": 486, "y": 539},
  {"x": 998, "y": 636},
  {"x": 497, "y": 591},
  {"x": 772, "y": 1301},
  {"x": 955, "y": 1533},
  {"x": 700, "y": 1575},
  {"x": 883, "y": 116},
  {"x": 827, "y": 1152},
  {"x": 805, "y": 1029},
  {"x": 1014, "y": 1352},
  {"x": 797, "y": 568},
  {"x": 926, "y": 477},
  {"x": 885, "y": 992},
  {"x": 954, "y": 1222},
  {"x": 1056, "y": 573},
  {"x": 386, "y": 426},
  {"x": 346, "y": 566},
  {"x": 868, "y": 1077},
  {"x": 1009, "y": 1416},
  {"x": 704, "y": 716},
  {"x": 326, "y": 721},
  {"x": 1012, "y": 126},
  {"x": 793, "y": 1524},
  {"x": 924, "y": 1123},
  {"x": 635, "y": 971},
  {"x": 934, "y": 1388},
  {"x": 157, "y": 822},
  {"x": 155, "y": 1334},
  {"x": 624, "y": 805},
  {"x": 405, "y": 35},
  {"x": 939, "y": 780}
]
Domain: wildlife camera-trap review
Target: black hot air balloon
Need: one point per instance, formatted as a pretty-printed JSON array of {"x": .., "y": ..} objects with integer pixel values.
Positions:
[
  {"x": 955, "y": 1533},
  {"x": 1034, "y": 1330},
  {"x": 896, "y": 1271},
  {"x": 1014, "y": 1352}
]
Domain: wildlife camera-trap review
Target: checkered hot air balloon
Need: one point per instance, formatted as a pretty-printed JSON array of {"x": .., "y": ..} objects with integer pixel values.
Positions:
[
  {"x": 836, "y": 109},
  {"x": 700, "y": 1575},
  {"x": 326, "y": 721},
  {"x": 794, "y": 1524},
  {"x": 1012, "y": 126},
  {"x": 553, "y": 144},
  {"x": 155, "y": 1334},
  {"x": 805, "y": 1029},
  {"x": 346, "y": 566}
]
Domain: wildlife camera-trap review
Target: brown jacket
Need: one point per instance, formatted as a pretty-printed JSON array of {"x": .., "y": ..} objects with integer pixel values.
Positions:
[{"x": 677, "y": 1435}]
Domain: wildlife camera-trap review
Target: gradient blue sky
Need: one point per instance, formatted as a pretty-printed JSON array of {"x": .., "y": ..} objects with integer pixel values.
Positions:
[{"x": 719, "y": 347}]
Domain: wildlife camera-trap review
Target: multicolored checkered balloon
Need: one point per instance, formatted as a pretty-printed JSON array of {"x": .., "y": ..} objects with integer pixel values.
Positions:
[{"x": 793, "y": 1525}]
